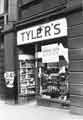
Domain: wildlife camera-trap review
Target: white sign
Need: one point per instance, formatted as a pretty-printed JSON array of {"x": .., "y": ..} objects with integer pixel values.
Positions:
[
  {"x": 9, "y": 78},
  {"x": 63, "y": 52},
  {"x": 25, "y": 57},
  {"x": 53, "y": 29},
  {"x": 50, "y": 53}
]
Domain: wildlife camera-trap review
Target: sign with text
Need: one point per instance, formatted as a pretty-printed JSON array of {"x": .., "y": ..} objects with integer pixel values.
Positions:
[
  {"x": 50, "y": 53},
  {"x": 50, "y": 30},
  {"x": 9, "y": 79}
]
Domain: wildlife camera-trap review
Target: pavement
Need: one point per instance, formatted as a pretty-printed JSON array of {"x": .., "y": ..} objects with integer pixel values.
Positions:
[{"x": 31, "y": 111}]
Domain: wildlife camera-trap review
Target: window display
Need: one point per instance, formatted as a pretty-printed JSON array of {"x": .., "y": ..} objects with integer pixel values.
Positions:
[
  {"x": 54, "y": 82},
  {"x": 27, "y": 81},
  {"x": 53, "y": 76}
]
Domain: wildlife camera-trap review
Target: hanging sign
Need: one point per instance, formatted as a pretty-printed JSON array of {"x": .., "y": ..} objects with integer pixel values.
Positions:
[
  {"x": 63, "y": 52},
  {"x": 53, "y": 29},
  {"x": 50, "y": 53},
  {"x": 9, "y": 79}
]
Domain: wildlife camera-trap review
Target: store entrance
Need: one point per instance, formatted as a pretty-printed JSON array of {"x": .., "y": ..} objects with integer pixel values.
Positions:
[
  {"x": 26, "y": 87},
  {"x": 53, "y": 72}
]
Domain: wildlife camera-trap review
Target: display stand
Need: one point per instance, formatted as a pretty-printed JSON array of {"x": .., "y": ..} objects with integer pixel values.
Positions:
[{"x": 26, "y": 78}]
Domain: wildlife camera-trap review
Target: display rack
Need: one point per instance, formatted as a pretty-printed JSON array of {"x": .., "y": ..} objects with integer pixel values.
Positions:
[
  {"x": 27, "y": 79},
  {"x": 54, "y": 84}
]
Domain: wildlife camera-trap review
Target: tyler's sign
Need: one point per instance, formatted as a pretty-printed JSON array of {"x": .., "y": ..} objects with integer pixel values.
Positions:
[{"x": 53, "y": 29}]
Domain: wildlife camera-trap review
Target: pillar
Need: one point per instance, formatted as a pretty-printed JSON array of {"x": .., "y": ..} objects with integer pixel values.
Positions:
[
  {"x": 10, "y": 57},
  {"x": 10, "y": 63}
]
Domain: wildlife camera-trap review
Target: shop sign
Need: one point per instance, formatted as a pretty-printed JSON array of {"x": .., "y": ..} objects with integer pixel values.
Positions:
[
  {"x": 50, "y": 53},
  {"x": 53, "y": 29},
  {"x": 63, "y": 52},
  {"x": 9, "y": 79}
]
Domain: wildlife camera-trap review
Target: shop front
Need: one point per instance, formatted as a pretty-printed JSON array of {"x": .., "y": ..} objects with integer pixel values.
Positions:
[{"x": 44, "y": 62}]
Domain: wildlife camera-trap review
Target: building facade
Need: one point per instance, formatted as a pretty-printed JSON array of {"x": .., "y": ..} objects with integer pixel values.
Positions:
[{"x": 43, "y": 52}]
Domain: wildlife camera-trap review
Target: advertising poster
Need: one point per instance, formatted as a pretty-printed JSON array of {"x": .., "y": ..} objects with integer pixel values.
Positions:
[
  {"x": 9, "y": 79},
  {"x": 50, "y": 53}
]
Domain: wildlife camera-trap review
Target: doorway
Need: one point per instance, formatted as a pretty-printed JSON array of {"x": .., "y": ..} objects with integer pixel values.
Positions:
[{"x": 26, "y": 82}]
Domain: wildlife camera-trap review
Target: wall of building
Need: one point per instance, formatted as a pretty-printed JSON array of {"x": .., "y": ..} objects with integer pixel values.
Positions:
[
  {"x": 2, "y": 82},
  {"x": 10, "y": 50},
  {"x": 35, "y": 7},
  {"x": 75, "y": 42},
  {"x": 73, "y": 12}
]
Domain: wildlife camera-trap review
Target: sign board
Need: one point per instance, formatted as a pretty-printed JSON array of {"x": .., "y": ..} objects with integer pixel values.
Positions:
[
  {"x": 50, "y": 53},
  {"x": 25, "y": 57},
  {"x": 9, "y": 79},
  {"x": 63, "y": 52},
  {"x": 50, "y": 30}
]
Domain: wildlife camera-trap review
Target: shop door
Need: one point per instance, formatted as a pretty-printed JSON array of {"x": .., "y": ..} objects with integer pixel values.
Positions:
[{"x": 26, "y": 83}]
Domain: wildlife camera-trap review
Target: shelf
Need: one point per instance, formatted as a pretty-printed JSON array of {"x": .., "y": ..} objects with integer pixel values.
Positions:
[
  {"x": 30, "y": 87},
  {"x": 26, "y": 67},
  {"x": 25, "y": 79},
  {"x": 26, "y": 74},
  {"x": 25, "y": 95},
  {"x": 66, "y": 102}
]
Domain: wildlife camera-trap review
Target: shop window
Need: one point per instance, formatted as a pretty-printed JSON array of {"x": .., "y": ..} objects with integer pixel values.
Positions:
[
  {"x": 2, "y": 42},
  {"x": 53, "y": 71},
  {"x": 3, "y": 6}
]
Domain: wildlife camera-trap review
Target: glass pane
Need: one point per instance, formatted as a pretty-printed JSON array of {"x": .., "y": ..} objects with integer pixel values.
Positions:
[
  {"x": 1, "y": 6},
  {"x": 53, "y": 76}
]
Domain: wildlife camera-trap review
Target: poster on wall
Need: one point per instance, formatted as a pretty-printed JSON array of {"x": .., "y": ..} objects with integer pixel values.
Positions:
[{"x": 9, "y": 79}]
